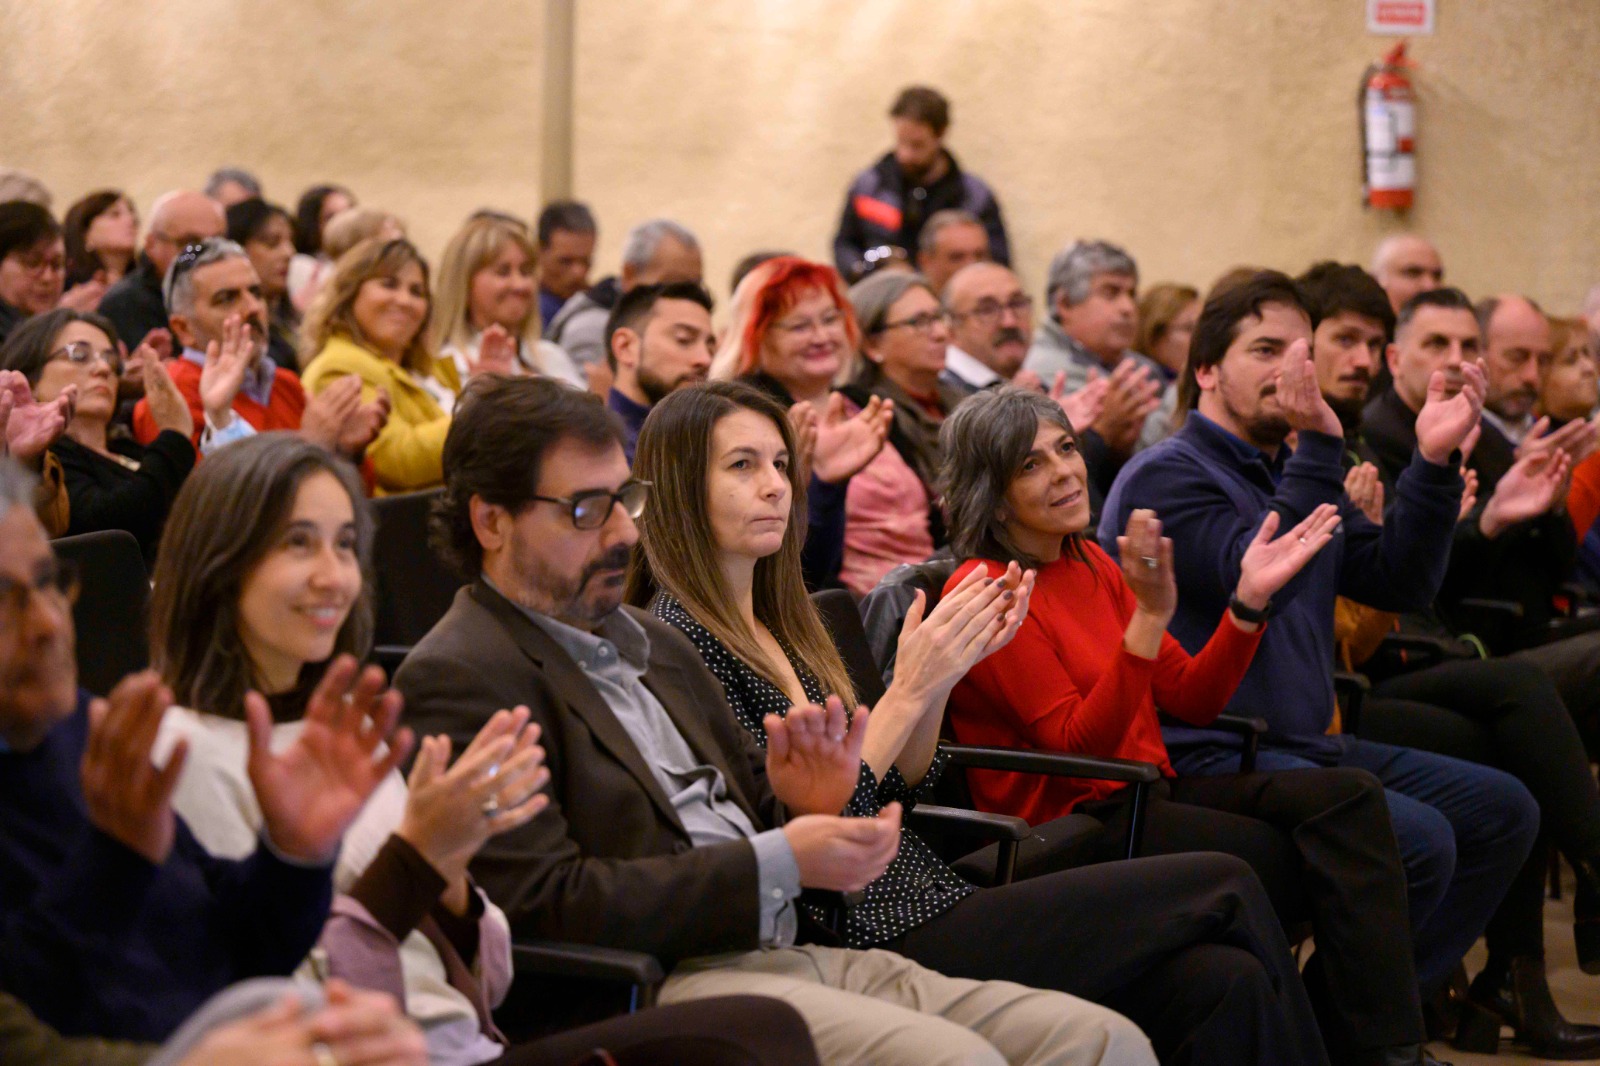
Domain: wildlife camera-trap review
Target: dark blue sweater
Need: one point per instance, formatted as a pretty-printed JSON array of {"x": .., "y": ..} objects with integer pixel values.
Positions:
[
  {"x": 97, "y": 941},
  {"x": 1211, "y": 491}
]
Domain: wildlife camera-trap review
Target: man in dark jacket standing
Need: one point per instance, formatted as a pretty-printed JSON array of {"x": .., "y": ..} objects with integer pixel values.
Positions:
[{"x": 889, "y": 202}]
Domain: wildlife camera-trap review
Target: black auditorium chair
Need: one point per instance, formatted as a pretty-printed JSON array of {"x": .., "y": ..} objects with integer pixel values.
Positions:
[
  {"x": 414, "y": 587},
  {"x": 110, "y": 614}
]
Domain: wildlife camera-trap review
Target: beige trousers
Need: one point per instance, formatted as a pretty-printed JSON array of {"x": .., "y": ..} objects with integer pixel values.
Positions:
[{"x": 877, "y": 1008}]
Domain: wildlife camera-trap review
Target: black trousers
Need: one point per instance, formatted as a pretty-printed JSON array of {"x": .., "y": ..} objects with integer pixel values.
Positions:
[
  {"x": 1320, "y": 840},
  {"x": 1573, "y": 663},
  {"x": 1186, "y": 947},
  {"x": 1506, "y": 714},
  {"x": 724, "y": 1031}
]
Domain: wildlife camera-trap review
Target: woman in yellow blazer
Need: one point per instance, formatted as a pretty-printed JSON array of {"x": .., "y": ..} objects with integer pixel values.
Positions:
[{"x": 371, "y": 320}]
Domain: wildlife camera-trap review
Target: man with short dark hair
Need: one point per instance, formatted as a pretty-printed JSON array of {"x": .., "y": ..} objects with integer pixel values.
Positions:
[
  {"x": 567, "y": 233},
  {"x": 177, "y": 219},
  {"x": 657, "y": 252},
  {"x": 888, "y": 204},
  {"x": 658, "y": 340},
  {"x": 1354, "y": 324},
  {"x": 950, "y": 240},
  {"x": 1464, "y": 830}
]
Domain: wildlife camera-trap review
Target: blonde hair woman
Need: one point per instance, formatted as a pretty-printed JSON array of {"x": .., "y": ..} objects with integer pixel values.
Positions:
[
  {"x": 371, "y": 320},
  {"x": 488, "y": 293}
]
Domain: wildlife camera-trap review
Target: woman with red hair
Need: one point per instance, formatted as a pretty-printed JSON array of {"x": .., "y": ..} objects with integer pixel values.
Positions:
[{"x": 793, "y": 335}]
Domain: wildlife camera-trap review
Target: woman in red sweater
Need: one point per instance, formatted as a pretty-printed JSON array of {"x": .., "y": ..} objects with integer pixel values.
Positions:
[{"x": 1091, "y": 664}]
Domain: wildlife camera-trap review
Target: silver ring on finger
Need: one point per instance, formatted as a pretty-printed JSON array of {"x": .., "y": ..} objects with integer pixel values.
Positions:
[
  {"x": 1150, "y": 561},
  {"x": 323, "y": 1055},
  {"x": 491, "y": 807}
]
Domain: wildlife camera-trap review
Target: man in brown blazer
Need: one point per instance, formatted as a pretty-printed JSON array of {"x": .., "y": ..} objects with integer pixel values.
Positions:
[{"x": 669, "y": 831}]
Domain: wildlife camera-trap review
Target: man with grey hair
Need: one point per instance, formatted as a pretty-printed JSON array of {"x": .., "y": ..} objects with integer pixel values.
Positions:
[
  {"x": 657, "y": 252},
  {"x": 233, "y": 387},
  {"x": 950, "y": 239},
  {"x": 20, "y": 185},
  {"x": 1406, "y": 264},
  {"x": 1091, "y": 322},
  {"x": 232, "y": 185},
  {"x": 177, "y": 219}
]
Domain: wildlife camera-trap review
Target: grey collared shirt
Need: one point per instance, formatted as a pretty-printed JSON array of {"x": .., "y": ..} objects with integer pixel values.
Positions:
[{"x": 614, "y": 658}]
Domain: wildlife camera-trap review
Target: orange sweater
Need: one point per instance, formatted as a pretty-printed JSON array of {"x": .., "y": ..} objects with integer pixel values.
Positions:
[
  {"x": 1065, "y": 683},
  {"x": 283, "y": 410}
]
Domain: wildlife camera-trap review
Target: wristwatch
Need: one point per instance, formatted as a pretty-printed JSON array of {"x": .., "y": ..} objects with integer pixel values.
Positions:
[{"x": 1249, "y": 614}]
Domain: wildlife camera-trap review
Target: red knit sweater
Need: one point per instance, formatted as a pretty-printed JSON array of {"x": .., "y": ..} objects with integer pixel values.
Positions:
[
  {"x": 283, "y": 410},
  {"x": 1065, "y": 683}
]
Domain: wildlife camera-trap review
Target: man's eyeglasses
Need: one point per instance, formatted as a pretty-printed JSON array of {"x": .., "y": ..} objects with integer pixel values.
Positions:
[
  {"x": 58, "y": 581},
  {"x": 590, "y": 510},
  {"x": 987, "y": 311},
  {"x": 82, "y": 353},
  {"x": 922, "y": 323},
  {"x": 42, "y": 264}
]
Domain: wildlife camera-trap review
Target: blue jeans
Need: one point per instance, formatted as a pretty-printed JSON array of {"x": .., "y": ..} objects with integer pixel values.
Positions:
[{"x": 1464, "y": 831}]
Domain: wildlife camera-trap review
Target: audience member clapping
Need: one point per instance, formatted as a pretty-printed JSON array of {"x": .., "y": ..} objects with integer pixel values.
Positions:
[
  {"x": 111, "y": 484},
  {"x": 371, "y": 322},
  {"x": 116, "y": 922},
  {"x": 485, "y": 295}
]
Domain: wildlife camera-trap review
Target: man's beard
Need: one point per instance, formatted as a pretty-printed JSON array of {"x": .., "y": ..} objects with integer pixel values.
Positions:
[
  {"x": 564, "y": 600},
  {"x": 1261, "y": 429},
  {"x": 656, "y": 389}
]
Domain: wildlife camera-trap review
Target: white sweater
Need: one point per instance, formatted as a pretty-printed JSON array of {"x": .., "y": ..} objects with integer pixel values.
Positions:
[{"x": 216, "y": 801}]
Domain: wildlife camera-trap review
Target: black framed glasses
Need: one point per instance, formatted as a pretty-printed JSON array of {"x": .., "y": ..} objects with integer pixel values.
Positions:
[
  {"x": 589, "y": 510},
  {"x": 82, "y": 353},
  {"x": 56, "y": 580}
]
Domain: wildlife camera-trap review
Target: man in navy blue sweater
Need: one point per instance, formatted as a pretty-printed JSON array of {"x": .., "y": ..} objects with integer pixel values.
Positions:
[
  {"x": 1463, "y": 829},
  {"x": 114, "y": 921}
]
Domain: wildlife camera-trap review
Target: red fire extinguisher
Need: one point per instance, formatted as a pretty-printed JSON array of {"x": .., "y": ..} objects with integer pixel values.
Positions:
[{"x": 1388, "y": 133}]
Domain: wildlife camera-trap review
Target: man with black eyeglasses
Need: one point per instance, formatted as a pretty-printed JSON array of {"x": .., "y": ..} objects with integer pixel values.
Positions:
[{"x": 991, "y": 327}]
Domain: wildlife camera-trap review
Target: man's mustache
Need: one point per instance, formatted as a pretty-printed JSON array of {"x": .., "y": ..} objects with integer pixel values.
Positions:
[
  {"x": 615, "y": 559},
  {"x": 1009, "y": 333}
]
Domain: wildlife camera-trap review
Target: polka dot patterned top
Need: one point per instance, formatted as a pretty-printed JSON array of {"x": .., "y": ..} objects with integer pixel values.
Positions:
[{"x": 917, "y": 886}]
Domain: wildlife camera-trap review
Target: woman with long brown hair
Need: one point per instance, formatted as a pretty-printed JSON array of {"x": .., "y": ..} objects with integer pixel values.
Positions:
[{"x": 719, "y": 550}]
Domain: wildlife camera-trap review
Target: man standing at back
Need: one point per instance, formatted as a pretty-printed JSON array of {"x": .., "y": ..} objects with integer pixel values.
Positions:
[{"x": 889, "y": 202}]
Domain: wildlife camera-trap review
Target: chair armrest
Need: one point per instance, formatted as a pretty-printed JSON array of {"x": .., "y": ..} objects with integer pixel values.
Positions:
[
  {"x": 590, "y": 962},
  {"x": 560, "y": 958},
  {"x": 389, "y": 656},
  {"x": 1509, "y": 608},
  {"x": 1354, "y": 689},
  {"x": 977, "y": 823},
  {"x": 1251, "y": 729},
  {"x": 1054, "y": 763}
]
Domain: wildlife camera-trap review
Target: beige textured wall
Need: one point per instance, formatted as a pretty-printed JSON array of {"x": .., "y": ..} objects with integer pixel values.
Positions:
[{"x": 1199, "y": 133}]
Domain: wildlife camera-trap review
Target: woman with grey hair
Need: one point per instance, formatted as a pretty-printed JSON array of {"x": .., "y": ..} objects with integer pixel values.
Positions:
[
  {"x": 891, "y": 509},
  {"x": 1093, "y": 664}
]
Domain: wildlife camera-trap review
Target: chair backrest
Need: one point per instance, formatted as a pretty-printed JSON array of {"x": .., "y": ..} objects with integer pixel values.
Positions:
[
  {"x": 111, "y": 615},
  {"x": 884, "y": 608},
  {"x": 414, "y": 587},
  {"x": 839, "y": 614}
]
